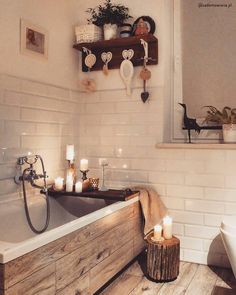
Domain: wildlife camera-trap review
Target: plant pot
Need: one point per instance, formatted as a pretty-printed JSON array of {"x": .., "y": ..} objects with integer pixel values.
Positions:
[
  {"x": 110, "y": 31},
  {"x": 229, "y": 133}
]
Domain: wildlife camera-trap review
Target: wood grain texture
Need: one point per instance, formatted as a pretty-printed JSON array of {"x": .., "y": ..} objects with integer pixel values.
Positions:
[
  {"x": 187, "y": 272},
  {"x": 193, "y": 279},
  {"x": 105, "y": 270},
  {"x": 203, "y": 281},
  {"x": 123, "y": 285},
  {"x": 40, "y": 283},
  {"x": 82, "y": 260},
  {"x": 163, "y": 259},
  {"x": 77, "y": 287},
  {"x": 146, "y": 287},
  {"x": 18, "y": 269}
]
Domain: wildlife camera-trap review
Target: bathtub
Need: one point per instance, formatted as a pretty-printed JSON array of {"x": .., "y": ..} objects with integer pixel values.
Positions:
[{"x": 68, "y": 214}]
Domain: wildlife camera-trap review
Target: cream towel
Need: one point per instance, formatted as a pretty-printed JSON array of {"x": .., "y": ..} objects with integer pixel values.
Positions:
[{"x": 152, "y": 207}]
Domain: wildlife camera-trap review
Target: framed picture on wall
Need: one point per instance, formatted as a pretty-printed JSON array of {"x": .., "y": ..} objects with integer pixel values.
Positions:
[{"x": 34, "y": 40}]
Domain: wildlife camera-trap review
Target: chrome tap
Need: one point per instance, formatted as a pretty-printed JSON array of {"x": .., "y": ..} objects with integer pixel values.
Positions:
[{"x": 29, "y": 174}]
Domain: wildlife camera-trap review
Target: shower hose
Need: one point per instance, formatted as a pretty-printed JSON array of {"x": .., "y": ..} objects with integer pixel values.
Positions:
[{"x": 37, "y": 231}]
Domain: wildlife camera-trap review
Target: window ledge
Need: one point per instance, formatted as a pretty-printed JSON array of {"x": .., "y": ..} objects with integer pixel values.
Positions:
[{"x": 201, "y": 146}]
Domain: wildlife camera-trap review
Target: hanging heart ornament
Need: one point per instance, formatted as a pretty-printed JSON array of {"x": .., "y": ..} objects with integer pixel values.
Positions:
[{"x": 106, "y": 58}]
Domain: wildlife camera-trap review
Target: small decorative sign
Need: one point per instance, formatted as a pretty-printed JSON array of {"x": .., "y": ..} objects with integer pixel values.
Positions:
[{"x": 34, "y": 40}]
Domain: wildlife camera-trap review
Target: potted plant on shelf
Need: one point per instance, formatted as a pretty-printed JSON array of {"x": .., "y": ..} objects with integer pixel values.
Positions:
[
  {"x": 226, "y": 118},
  {"x": 109, "y": 16}
]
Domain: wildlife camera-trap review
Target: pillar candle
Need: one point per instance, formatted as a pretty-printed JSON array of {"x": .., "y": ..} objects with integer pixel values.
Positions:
[
  {"x": 78, "y": 187},
  {"x": 157, "y": 232},
  {"x": 83, "y": 164},
  {"x": 70, "y": 152},
  {"x": 167, "y": 227},
  {"x": 58, "y": 184},
  {"x": 69, "y": 184}
]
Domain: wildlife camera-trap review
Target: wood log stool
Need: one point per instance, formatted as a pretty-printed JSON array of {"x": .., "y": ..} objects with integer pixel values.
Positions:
[{"x": 163, "y": 258}]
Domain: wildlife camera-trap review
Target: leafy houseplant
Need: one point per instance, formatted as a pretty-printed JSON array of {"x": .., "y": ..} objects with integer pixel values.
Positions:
[
  {"x": 108, "y": 13},
  {"x": 226, "y": 118}
]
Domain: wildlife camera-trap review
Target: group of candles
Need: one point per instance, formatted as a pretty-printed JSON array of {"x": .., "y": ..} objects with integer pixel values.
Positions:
[
  {"x": 166, "y": 229},
  {"x": 70, "y": 178}
]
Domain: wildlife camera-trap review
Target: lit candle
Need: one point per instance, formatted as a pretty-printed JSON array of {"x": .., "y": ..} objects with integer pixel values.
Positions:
[
  {"x": 70, "y": 152},
  {"x": 167, "y": 227},
  {"x": 157, "y": 232},
  {"x": 78, "y": 187},
  {"x": 83, "y": 164},
  {"x": 69, "y": 184},
  {"x": 58, "y": 183}
]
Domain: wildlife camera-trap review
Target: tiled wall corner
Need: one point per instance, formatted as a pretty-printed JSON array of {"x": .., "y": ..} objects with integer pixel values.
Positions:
[{"x": 35, "y": 117}]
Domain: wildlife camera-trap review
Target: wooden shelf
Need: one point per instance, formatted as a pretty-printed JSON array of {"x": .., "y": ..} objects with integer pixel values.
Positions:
[
  {"x": 111, "y": 194},
  {"x": 204, "y": 146},
  {"x": 116, "y": 46}
]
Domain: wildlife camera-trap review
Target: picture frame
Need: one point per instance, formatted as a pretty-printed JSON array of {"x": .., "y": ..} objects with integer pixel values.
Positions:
[{"x": 33, "y": 40}]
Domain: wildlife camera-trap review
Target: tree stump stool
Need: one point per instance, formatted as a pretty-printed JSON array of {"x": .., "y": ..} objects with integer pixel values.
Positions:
[{"x": 163, "y": 259}]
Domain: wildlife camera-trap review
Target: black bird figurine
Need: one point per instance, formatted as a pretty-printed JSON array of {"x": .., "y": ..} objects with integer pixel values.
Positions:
[{"x": 189, "y": 123}]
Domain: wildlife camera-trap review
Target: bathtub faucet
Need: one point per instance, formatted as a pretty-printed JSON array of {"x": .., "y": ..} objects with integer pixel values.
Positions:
[{"x": 29, "y": 174}]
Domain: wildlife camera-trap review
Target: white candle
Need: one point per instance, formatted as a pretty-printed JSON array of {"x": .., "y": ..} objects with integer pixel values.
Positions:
[
  {"x": 157, "y": 232},
  {"x": 69, "y": 184},
  {"x": 103, "y": 162},
  {"x": 58, "y": 184},
  {"x": 167, "y": 227},
  {"x": 70, "y": 152},
  {"x": 83, "y": 164},
  {"x": 78, "y": 187}
]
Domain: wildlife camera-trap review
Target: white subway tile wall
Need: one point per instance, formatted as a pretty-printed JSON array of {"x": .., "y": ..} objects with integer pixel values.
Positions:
[
  {"x": 197, "y": 186},
  {"x": 35, "y": 117}
]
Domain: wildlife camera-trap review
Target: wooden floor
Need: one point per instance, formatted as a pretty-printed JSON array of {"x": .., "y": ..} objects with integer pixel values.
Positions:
[{"x": 194, "y": 279}]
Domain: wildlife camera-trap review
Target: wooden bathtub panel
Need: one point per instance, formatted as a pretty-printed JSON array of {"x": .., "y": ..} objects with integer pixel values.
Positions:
[
  {"x": 2, "y": 276},
  {"x": 138, "y": 235},
  {"x": 19, "y": 268},
  {"x": 79, "y": 286},
  {"x": 80, "y": 261},
  {"x": 108, "y": 222},
  {"x": 110, "y": 266},
  {"x": 42, "y": 282}
]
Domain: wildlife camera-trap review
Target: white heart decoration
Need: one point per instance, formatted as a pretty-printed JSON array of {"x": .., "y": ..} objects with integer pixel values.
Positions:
[{"x": 128, "y": 54}]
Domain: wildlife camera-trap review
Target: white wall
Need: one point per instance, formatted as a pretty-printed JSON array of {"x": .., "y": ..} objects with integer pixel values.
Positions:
[
  {"x": 38, "y": 108},
  {"x": 58, "y": 18}
]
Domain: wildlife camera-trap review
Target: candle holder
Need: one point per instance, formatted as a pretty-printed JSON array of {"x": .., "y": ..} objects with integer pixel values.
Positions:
[
  {"x": 84, "y": 174},
  {"x": 71, "y": 170},
  {"x": 103, "y": 187},
  {"x": 159, "y": 240}
]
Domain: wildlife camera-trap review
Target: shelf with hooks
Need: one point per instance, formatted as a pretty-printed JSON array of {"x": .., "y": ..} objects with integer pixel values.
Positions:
[{"x": 116, "y": 47}]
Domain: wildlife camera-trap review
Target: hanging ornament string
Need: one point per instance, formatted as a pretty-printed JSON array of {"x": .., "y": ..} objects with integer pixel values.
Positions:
[{"x": 145, "y": 74}]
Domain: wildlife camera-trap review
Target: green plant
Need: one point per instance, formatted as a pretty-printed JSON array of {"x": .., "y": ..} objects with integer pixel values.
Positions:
[
  {"x": 226, "y": 116},
  {"x": 108, "y": 13}
]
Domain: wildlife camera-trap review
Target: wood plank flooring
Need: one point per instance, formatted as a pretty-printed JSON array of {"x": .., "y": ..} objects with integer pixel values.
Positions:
[{"x": 194, "y": 279}]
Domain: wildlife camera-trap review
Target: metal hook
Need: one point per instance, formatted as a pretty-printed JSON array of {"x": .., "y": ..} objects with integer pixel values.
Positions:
[
  {"x": 145, "y": 47},
  {"x": 86, "y": 50}
]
